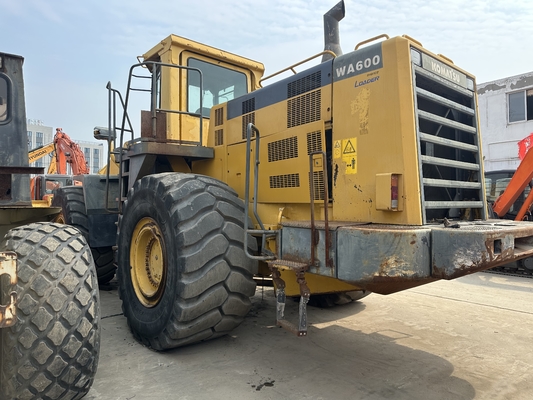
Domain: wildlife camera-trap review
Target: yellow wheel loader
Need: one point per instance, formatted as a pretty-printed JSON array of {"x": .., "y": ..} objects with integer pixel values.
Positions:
[{"x": 358, "y": 172}]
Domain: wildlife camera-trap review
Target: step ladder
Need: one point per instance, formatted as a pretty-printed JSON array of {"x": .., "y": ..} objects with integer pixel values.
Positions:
[{"x": 274, "y": 262}]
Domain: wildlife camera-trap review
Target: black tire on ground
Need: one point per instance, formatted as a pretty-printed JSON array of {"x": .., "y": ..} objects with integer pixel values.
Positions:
[
  {"x": 73, "y": 212},
  {"x": 52, "y": 350},
  {"x": 336, "y": 299},
  {"x": 198, "y": 282}
]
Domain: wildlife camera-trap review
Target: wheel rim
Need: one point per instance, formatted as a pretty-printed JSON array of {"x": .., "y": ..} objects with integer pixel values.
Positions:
[{"x": 148, "y": 264}]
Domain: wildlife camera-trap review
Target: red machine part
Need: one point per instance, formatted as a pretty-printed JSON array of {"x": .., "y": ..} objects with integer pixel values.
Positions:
[
  {"x": 521, "y": 178},
  {"x": 68, "y": 152}
]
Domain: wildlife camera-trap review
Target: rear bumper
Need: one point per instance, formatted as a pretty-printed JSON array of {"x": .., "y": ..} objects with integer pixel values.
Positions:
[
  {"x": 478, "y": 246},
  {"x": 389, "y": 258}
]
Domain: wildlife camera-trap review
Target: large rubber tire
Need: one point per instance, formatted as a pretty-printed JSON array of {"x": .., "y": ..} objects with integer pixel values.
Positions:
[
  {"x": 182, "y": 271},
  {"x": 52, "y": 350},
  {"x": 73, "y": 212}
]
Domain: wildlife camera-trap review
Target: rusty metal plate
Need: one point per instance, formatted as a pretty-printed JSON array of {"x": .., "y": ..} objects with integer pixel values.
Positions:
[
  {"x": 478, "y": 246},
  {"x": 384, "y": 259},
  {"x": 8, "y": 266}
]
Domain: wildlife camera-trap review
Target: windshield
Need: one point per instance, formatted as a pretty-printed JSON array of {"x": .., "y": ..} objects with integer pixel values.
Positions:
[{"x": 220, "y": 85}]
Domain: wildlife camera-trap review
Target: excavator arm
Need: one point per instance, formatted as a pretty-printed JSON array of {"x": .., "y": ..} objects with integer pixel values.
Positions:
[
  {"x": 68, "y": 152},
  {"x": 65, "y": 152},
  {"x": 41, "y": 151},
  {"x": 521, "y": 178}
]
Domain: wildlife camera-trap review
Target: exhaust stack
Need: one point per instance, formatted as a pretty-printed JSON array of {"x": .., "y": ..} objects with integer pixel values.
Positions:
[{"x": 331, "y": 30}]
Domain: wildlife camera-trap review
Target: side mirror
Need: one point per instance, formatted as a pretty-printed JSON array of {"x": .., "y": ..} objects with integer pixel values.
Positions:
[{"x": 101, "y": 133}]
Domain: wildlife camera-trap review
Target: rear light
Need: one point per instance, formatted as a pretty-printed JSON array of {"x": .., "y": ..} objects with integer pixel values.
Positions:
[
  {"x": 388, "y": 192},
  {"x": 394, "y": 191}
]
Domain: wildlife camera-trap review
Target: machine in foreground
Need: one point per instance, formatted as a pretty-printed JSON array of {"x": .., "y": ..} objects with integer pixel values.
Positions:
[
  {"x": 49, "y": 310},
  {"x": 362, "y": 173}
]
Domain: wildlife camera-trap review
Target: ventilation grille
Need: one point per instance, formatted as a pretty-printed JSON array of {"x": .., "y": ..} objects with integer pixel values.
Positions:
[
  {"x": 219, "y": 116},
  {"x": 283, "y": 149},
  {"x": 246, "y": 119},
  {"x": 318, "y": 185},
  {"x": 248, "y": 106},
  {"x": 304, "y": 85},
  {"x": 285, "y": 181},
  {"x": 304, "y": 109},
  {"x": 219, "y": 137},
  {"x": 314, "y": 142},
  {"x": 448, "y": 148}
]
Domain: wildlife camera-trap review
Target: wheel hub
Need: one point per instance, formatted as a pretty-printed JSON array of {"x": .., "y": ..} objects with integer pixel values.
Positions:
[{"x": 147, "y": 261}]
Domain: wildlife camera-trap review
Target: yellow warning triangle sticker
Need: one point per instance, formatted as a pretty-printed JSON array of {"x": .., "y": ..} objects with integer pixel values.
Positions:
[{"x": 349, "y": 148}]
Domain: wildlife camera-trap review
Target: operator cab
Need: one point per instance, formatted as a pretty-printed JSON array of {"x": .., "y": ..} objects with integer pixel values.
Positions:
[{"x": 195, "y": 78}]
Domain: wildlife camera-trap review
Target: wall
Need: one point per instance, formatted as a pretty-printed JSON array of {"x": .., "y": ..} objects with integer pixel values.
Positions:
[{"x": 500, "y": 137}]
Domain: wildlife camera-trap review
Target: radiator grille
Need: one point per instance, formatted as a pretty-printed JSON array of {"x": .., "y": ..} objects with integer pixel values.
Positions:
[
  {"x": 448, "y": 148},
  {"x": 318, "y": 185},
  {"x": 246, "y": 119},
  {"x": 248, "y": 105},
  {"x": 306, "y": 84},
  {"x": 314, "y": 142},
  {"x": 283, "y": 149},
  {"x": 284, "y": 181},
  {"x": 219, "y": 137},
  {"x": 304, "y": 109},
  {"x": 219, "y": 116}
]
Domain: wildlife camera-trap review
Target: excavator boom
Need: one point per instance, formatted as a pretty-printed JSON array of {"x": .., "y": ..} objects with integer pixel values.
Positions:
[
  {"x": 521, "y": 178},
  {"x": 65, "y": 152},
  {"x": 41, "y": 151},
  {"x": 68, "y": 152}
]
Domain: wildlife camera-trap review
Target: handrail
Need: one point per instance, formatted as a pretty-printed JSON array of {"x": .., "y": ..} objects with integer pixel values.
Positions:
[
  {"x": 413, "y": 40},
  {"x": 327, "y": 239},
  {"x": 156, "y": 66},
  {"x": 383, "y": 35},
  {"x": 296, "y": 65},
  {"x": 126, "y": 125},
  {"x": 251, "y": 128}
]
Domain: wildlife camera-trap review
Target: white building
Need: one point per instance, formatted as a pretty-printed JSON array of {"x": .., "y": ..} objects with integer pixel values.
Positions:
[
  {"x": 505, "y": 117},
  {"x": 40, "y": 135},
  {"x": 94, "y": 155}
]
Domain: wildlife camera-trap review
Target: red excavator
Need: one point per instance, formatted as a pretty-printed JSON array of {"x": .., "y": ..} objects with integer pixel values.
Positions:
[
  {"x": 513, "y": 200},
  {"x": 64, "y": 153},
  {"x": 518, "y": 184}
]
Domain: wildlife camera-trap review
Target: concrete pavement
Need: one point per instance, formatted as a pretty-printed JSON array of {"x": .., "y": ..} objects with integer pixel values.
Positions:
[{"x": 462, "y": 339}]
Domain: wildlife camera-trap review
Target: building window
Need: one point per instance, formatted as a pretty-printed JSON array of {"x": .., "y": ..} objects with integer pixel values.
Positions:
[
  {"x": 96, "y": 158},
  {"x": 38, "y": 139},
  {"x": 30, "y": 142},
  {"x": 520, "y": 106}
]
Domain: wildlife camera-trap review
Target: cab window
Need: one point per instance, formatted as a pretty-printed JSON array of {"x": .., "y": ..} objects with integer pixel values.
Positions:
[
  {"x": 220, "y": 85},
  {"x": 4, "y": 110}
]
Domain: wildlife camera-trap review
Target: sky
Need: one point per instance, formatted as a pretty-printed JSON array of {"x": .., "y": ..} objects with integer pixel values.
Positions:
[{"x": 72, "y": 48}]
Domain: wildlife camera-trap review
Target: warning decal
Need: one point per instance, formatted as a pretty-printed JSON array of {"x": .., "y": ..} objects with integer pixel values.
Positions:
[
  {"x": 337, "y": 149},
  {"x": 349, "y": 155},
  {"x": 348, "y": 149}
]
